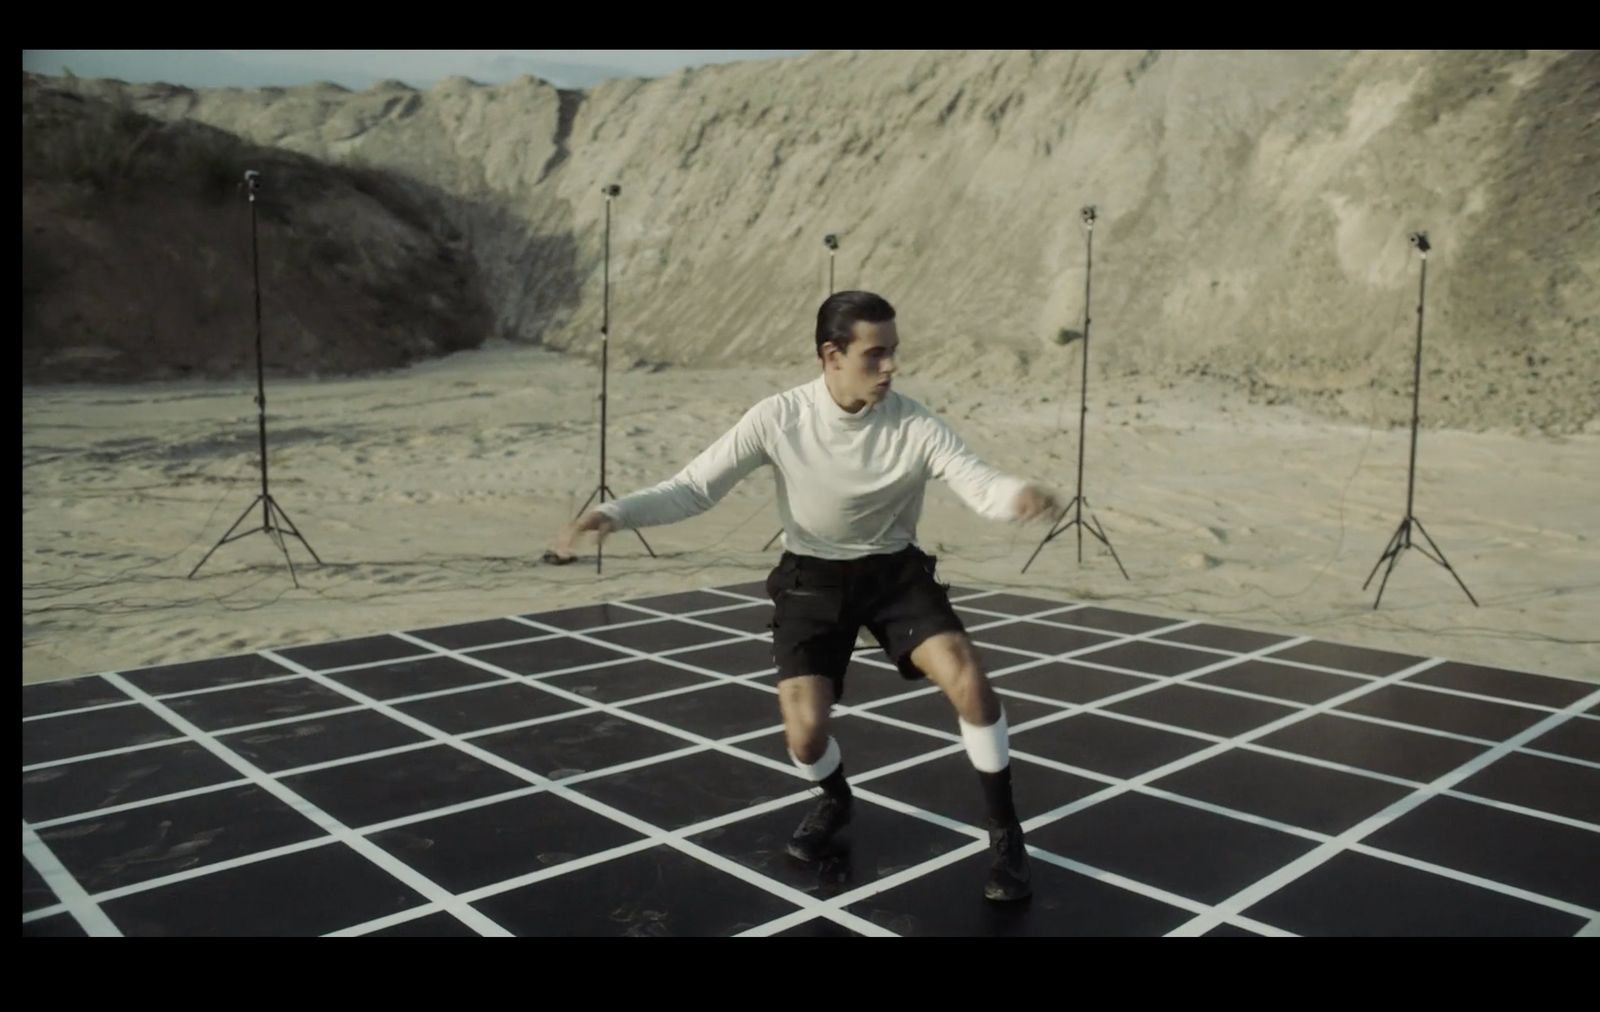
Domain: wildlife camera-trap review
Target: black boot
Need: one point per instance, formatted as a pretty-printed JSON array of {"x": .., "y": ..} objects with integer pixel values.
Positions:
[{"x": 1009, "y": 877}]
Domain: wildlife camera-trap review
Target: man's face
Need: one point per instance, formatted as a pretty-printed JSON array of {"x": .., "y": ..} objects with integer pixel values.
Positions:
[{"x": 863, "y": 373}]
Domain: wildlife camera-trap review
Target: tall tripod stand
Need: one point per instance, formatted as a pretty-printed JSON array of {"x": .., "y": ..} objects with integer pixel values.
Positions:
[
  {"x": 1080, "y": 502},
  {"x": 274, "y": 521},
  {"x": 602, "y": 489},
  {"x": 1402, "y": 535}
]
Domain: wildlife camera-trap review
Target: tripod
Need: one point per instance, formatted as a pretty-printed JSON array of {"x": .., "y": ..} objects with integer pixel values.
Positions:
[
  {"x": 832, "y": 242},
  {"x": 269, "y": 505},
  {"x": 1402, "y": 536},
  {"x": 602, "y": 489},
  {"x": 1080, "y": 501}
]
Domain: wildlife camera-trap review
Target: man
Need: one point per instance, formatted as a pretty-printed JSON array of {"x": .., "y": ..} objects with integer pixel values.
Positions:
[{"x": 853, "y": 459}]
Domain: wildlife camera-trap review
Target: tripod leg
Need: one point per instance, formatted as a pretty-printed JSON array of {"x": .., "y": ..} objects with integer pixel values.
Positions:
[
  {"x": 585, "y": 507},
  {"x": 646, "y": 545},
  {"x": 276, "y": 534},
  {"x": 1429, "y": 553},
  {"x": 1391, "y": 548},
  {"x": 283, "y": 542},
  {"x": 1393, "y": 559},
  {"x": 770, "y": 540},
  {"x": 1445, "y": 563},
  {"x": 292, "y": 529},
  {"x": 1101, "y": 534},
  {"x": 284, "y": 547},
  {"x": 225, "y": 537},
  {"x": 1055, "y": 530}
]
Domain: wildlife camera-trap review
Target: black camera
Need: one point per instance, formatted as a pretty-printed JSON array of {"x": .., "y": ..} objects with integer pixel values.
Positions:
[
  {"x": 1420, "y": 241},
  {"x": 611, "y": 190},
  {"x": 252, "y": 179},
  {"x": 1088, "y": 215},
  {"x": 831, "y": 241}
]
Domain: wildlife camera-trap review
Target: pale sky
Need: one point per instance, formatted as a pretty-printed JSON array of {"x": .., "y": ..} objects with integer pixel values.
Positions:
[{"x": 358, "y": 69}]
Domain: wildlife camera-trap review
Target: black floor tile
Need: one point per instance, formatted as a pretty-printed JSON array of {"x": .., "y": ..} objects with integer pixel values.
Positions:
[
  {"x": 308, "y": 893},
  {"x": 1070, "y": 683},
  {"x": 1282, "y": 681},
  {"x": 479, "y": 709},
  {"x": 320, "y": 740},
  {"x": 614, "y": 683},
  {"x": 257, "y": 704},
  {"x": 660, "y": 892},
  {"x": 120, "y": 849},
  {"x": 366, "y": 650},
  {"x": 1192, "y": 853},
  {"x": 1205, "y": 710},
  {"x": 949, "y": 786},
  {"x": 1549, "y": 785},
  {"x": 1443, "y": 712},
  {"x": 1356, "y": 895},
  {"x": 950, "y": 902},
  {"x": 413, "y": 678},
  {"x": 1357, "y": 660},
  {"x": 64, "y": 736},
  {"x": 207, "y": 674},
  {"x": 1377, "y": 747},
  {"x": 690, "y": 789},
  {"x": 1038, "y": 637},
  {"x": 87, "y": 786},
  {"x": 579, "y": 744},
  {"x": 1285, "y": 790},
  {"x": 69, "y": 694},
  {"x": 877, "y": 843},
  {"x": 1524, "y": 688},
  {"x": 1579, "y": 739},
  {"x": 477, "y": 634},
  {"x": 360, "y": 794},
  {"x": 494, "y": 843},
  {"x": 1111, "y": 747},
  {"x": 1538, "y": 855},
  {"x": 721, "y": 711},
  {"x": 1218, "y": 637},
  {"x": 549, "y": 655}
]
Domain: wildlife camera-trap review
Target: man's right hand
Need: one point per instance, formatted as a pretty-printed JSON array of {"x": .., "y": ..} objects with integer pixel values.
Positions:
[{"x": 565, "y": 548}]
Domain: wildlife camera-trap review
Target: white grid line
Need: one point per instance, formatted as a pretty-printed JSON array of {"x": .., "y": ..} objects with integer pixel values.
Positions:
[
  {"x": 334, "y": 827},
  {"x": 616, "y": 815},
  {"x": 73, "y": 899},
  {"x": 1272, "y": 883},
  {"x": 1037, "y": 821},
  {"x": 651, "y": 760},
  {"x": 1074, "y": 656},
  {"x": 146, "y": 885},
  {"x": 802, "y": 915}
]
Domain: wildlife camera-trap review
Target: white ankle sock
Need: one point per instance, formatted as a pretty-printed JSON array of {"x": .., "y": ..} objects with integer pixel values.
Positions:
[
  {"x": 987, "y": 747},
  {"x": 823, "y": 768}
]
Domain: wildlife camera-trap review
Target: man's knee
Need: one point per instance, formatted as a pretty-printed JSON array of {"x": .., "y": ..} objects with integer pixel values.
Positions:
[
  {"x": 805, "y": 701},
  {"x": 951, "y": 662}
]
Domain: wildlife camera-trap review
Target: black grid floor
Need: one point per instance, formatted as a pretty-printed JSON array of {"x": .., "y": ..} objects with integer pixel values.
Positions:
[{"x": 620, "y": 770}]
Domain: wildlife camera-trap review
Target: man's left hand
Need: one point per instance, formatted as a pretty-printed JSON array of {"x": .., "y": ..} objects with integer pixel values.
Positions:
[{"x": 1033, "y": 502}]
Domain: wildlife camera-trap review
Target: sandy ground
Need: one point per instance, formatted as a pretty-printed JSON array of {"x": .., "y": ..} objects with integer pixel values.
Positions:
[{"x": 431, "y": 493}]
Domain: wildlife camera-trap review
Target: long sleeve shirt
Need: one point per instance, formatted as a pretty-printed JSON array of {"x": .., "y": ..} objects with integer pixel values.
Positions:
[{"x": 849, "y": 484}]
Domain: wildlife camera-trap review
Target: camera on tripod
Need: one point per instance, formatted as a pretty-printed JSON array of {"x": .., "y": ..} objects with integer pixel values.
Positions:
[
  {"x": 831, "y": 241},
  {"x": 1088, "y": 215},
  {"x": 252, "y": 180},
  {"x": 1420, "y": 241},
  {"x": 611, "y": 190}
]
